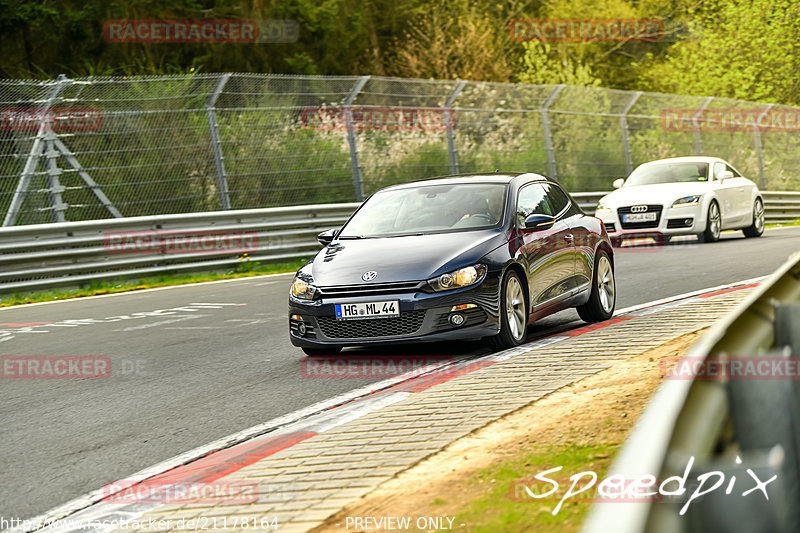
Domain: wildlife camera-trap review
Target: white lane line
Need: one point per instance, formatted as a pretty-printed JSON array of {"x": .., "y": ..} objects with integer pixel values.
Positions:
[
  {"x": 93, "y": 497},
  {"x": 130, "y": 293},
  {"x": 628, "y": 310},
  {"x": 178, "y": 318}
]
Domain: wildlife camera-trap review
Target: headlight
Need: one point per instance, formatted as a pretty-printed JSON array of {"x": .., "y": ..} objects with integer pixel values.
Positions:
[
  {"x": 603, "y": 208},
  {"x": 302, "y": 289},
  {"x": 463, "y": 277},
  {"x": 686, "y": 201}
]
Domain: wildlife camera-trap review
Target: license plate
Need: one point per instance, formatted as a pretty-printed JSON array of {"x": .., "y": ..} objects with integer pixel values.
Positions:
[
  {"x": 367, "y": 310},
  {"x": 639, "y": 217}
]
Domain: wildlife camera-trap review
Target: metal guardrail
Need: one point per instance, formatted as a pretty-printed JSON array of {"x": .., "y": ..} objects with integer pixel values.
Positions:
[
  {"x": 43, "y": 256},
  {"x": 717, "y": 420}
]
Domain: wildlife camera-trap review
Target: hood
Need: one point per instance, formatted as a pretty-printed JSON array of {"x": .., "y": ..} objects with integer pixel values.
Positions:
[
  {"x": 661, "y": 193},
  {"x": 411, "y": 258}
]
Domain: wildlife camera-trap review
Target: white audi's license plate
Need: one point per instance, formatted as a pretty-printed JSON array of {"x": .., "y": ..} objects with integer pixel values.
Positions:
[
  {"x": 367, "y": 310},
  {"x": 639, "y": 217}
]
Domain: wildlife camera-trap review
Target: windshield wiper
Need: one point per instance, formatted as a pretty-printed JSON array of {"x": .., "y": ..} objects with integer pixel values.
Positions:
[{"x": 348, "y": 237}]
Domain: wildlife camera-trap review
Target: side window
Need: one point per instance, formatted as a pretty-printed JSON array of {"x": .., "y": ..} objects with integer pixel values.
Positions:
[
  {"x": 557, "y": 199},
  {"x": 718, "y": 167},
  {"x": 735, "y": 174},
  {"x": 532, "y": 200}
]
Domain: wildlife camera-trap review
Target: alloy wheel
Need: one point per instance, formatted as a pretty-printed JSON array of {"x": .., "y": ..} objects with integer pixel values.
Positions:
[
  {"x": 515, "y": 308},
  {"x": 606, "y": 287}
]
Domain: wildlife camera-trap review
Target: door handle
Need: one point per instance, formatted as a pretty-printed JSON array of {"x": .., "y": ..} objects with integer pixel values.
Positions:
[{"x": 569, "y": 237}]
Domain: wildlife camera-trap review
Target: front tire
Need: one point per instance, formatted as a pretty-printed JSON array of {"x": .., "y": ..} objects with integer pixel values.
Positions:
[
  {"x": 757, "y": 228},
  {"x": 713, "y": 224},
  {"x": 513, "y": 314},
  {"x": 322, "y": 351},
  {"x": 603, "y": 298}
]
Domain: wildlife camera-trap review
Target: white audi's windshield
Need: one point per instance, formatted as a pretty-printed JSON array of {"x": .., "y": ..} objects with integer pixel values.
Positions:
[{"x": 668, "y": 173}]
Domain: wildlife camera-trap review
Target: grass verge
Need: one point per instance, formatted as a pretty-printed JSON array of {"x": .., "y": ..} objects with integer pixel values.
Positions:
[{"x": 243, "y": 270}]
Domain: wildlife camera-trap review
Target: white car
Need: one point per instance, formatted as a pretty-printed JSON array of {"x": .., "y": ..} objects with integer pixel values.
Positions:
[{"x": 682, "y": 196}]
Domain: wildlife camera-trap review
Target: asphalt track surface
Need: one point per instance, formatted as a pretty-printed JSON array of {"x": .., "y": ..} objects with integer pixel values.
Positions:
[{"x": 204, "y": 361}]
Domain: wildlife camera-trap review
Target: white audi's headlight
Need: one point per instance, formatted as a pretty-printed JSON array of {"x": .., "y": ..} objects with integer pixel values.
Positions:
[
  {"x": 302, "y": 289},
  {"x": 687, "y": 201},
  {"x": 602, "y": 207},
  {"x": 463, "y": 277}
]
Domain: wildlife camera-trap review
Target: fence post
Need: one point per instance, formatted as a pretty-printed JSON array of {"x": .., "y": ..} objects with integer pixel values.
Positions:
[
  {"x": 351, "y": 136},
  {"x": 698, "y": 145},
  {"x": 448, "y": 117},
  {"x": 623, "y": 126},
  {"x": 54, "y": 186},
  {"x": 216, "y": 146},
  {"x": 35, "y": 154},
  {"x": 762, "y": 180},
  {"x": 548, "y": 137}
]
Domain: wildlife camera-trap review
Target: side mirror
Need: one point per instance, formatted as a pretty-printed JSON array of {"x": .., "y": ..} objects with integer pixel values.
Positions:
[
  {"x": 539, "y": 222},
  {"x": 326, "y": 236},
  {"x": 724, "y": 175},
  {"x": 618, "y": 183}
]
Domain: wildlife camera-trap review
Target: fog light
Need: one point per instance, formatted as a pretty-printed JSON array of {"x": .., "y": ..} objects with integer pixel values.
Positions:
[
  {"x": 457, "y": 319},
  {"x": 301, "y": 329},
  {"x": 688, "y": 222}
]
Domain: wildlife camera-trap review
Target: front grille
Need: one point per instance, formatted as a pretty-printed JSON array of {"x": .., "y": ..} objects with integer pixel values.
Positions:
[
  {"x": 372, "y": 289},
  {"x": 640, "y": 225},
  {"x": 405, "y": 324},
  {"x": 677, "y": 223}
]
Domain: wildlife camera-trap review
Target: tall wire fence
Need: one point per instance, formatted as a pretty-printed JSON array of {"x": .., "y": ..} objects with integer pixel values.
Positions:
[{"x": 93, "y": 148}]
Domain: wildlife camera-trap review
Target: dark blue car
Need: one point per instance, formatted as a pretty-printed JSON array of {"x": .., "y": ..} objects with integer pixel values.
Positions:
[{"x": 463, "y": 257}]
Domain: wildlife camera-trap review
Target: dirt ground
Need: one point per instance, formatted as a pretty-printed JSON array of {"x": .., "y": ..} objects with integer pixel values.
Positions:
[{"x": 600, "y": 409}]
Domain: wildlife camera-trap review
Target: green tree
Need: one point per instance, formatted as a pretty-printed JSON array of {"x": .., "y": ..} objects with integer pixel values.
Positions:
[{"x": 750, "y": 50}]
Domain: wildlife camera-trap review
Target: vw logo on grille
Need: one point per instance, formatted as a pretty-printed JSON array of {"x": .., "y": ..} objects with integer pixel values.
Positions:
[
  {"x": 639, "y": 209},
  {"x": 369, "y": 276}
]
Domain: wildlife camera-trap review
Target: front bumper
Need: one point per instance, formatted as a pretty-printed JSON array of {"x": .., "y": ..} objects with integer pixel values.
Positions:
[
  {"x": 424, "y": 317},
  {"x": 671, "y": 221}
]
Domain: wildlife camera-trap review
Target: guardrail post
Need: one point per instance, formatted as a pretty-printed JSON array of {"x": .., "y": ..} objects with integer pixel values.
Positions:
[
  {"x": 623, "y": 126},
  {"x": 548, "y": 137},
  {"x": 698, "y": 145},
  {"x": 216, "y": 146},
  {"x": 34, "y": 155},
  {"x": 762, "y": 180},
  {"x": 448, "y": 117},
  {"x": 351, "y": 137}
]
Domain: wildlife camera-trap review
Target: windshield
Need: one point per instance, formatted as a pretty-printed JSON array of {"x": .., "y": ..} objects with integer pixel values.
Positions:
[
  {"x": 668, "y": 173},
  {"x": 429, "y": 209}
]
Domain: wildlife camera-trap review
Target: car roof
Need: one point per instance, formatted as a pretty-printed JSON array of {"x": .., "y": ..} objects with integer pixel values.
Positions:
[
  {"x": 686, "y": 159},
  {"x": 478, "y": 177}
]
